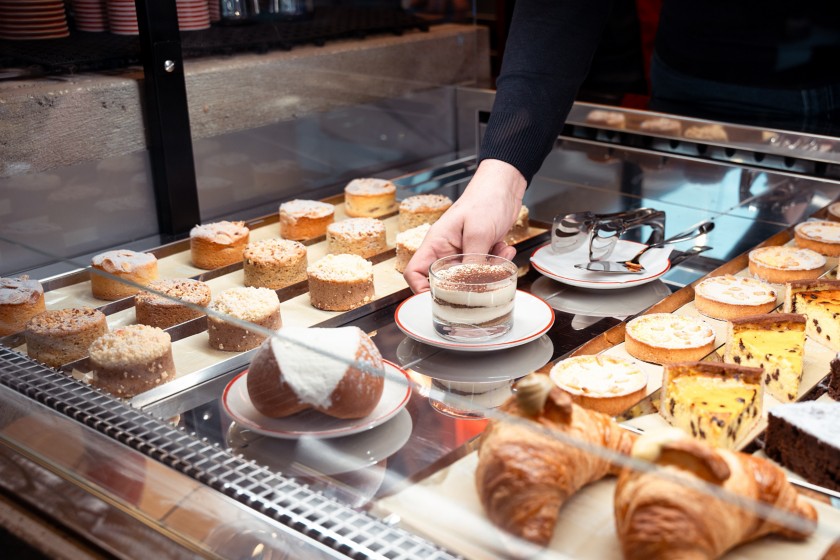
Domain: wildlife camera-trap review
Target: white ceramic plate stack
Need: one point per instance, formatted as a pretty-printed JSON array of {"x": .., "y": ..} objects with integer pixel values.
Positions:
[
  {"x": 90, "y": 15},
  {"x": 122, "y": 17},
  {"x": 26, "y": 20},
  {"x": 215, "y": 10},
  {"x": 193, "y": 15}
]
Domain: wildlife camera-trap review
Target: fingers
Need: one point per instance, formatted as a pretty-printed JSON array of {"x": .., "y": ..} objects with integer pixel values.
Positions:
[{"x": 502, "y": 249}]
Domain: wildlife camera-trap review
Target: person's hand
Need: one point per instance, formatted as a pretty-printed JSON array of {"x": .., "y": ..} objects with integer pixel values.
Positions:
[{"x": 476, "y": 223}]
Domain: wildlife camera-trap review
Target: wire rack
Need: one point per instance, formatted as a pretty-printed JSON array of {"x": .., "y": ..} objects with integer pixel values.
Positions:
[
  {"x": 84, "y": 52},
  {"x": 347, "y": 531}
]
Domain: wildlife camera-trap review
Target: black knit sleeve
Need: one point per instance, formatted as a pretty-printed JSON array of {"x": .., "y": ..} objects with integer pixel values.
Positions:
[{"x": 547, "y": 56}]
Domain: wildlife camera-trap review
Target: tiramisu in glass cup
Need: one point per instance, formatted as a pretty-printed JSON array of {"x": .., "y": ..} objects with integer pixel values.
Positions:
[{"x": 472, "y": 296}]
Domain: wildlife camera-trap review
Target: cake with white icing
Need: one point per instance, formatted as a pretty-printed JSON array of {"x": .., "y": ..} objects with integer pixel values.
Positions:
[
  {"x": 728, "y": 297},
  {"x": 421, "y": 209},
  {"x": 785, "y": 263},
  {"x": 218, "y": 244},
  {"x": 370, "y": 197},
  {"x": 336, "y": 371},
  {"x": 20, "y": 299},
  {"x": 259, "y": 306},
  {"x": 120, "y": 266},
  {"x": 805, "y": 438},
  {"x": 407, "y": 244},
  {"x": 340, "y": 282},
  {"x": 663, "y": 338},
  {"x": 819, "y": 235},
  {"x": 608, "y": 384},
  {"x": 357, "y": 236},
  {"x": 305, "y": 219}
]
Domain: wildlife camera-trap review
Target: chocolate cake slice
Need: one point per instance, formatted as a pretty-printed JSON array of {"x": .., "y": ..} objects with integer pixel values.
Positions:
[
  {"x": 805, "y": 438},
  {"x": 834, "y": 378}
]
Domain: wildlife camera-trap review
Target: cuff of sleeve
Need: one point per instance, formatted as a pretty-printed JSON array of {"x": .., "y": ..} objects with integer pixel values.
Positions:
[{"x": 515, "y": 139}]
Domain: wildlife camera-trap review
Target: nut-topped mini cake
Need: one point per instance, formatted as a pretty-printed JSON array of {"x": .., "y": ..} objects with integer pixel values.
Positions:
[
  {"x": 785, "y": 263},
  {"x": 422, "y": 209},
  {"x": 407, "y": 244},
  {"x": 274, "y": 263},
  {"x": 259, "y": 306},
  {"x": 728, "y": 297},
  {"x": 60, "y": 336},
  {"x": 158, "y": 311},
  {"x": 20, "y": 300},
  {"x": 132, "y": 360},
  {"x": 305, "y": 219},
  {"x": 661, "y": 125},
  {"x": 663, "y": 338},
  {"x": 472, "y": 296},
  {"x": 370, "y": 197},
  {"x": 608, "y": 384},
  {"x": 139, "y": 268},
  {"x": 820, "y": 236},
  {"x": 340, "y": 282},
  {"x": 357, "y": 236},
  {"x": 218, "y": 244}
]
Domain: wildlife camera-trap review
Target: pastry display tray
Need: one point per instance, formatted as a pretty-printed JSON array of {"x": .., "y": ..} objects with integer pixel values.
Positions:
[{"x": 195, "y": 361}]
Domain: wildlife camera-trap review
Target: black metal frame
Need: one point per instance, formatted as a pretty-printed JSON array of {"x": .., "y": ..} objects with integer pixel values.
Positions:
[{"x": 167, "y": 117}]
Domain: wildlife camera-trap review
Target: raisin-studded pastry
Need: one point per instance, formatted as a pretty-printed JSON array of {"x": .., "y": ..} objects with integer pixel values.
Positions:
[
  {"x": 524, "y": 474},
  {"x": 664, "y": 514}
]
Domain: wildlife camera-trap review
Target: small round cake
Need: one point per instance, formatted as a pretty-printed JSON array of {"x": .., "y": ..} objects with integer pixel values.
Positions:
[
  {"x": 20, "y": 300},
  {"x": 274, "y": 263},
  {"x": 156, "y": 310},
  {"x": 131, "y": 360},
  {"x": 820, "y": 236},
  {"x": 286, "y": 377},
  {"x": 663, "y": 338},
  {"x": 305, "y": 219},
  {"x": 139, "y": 268},
  {"x": 340, "y": 282},
  {"x": 422, "y": 209},
  {"x": 259, "y": 306},
  {"x": 407, "y": 244},
  {"x": 833, "y": 212},
  {"x": 607, "y": 384},
  {"x": 357, "y": 236},
  {"x": 61, "y": 336},
  {"x": 785, "y": 263},
  {"x": 728, "y": 297},
  {"x": 612, "y": 119},
  {"x": 218, "y": 244},
  {"x": 370, "y": 198},
  {"x": 661, "y": 125},
  {"x": 519, "y": 229}
]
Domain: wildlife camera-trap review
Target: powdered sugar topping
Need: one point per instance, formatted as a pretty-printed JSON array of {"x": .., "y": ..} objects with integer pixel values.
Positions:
[
  {"x": 357, "y": 227},
  {"x": 122, "y": 260},
  {"x": 14, "y": 291},
  {"x": 298, "y": 208},
  {"x": 369, "y": 185},
  {"x": 343, "y": 267},
  {"x": 436, "y": 202},
  {"x": 220, "y": 232}
]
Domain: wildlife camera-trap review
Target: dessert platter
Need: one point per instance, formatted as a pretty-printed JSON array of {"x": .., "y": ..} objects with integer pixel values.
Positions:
[
  {"x": 700, "y": 383},
  {"x": 273, "y": 271}
]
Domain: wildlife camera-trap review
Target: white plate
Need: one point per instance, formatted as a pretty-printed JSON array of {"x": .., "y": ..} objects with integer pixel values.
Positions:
[
  {"x": 532, "y": 317},
  {"x": 449, "y": 365},
  {"x": 597, "y": 303},
  {"x": 324, "y": 456},
  {"x": 562, "y": 267},
  {"x": 311, "y": 423}
]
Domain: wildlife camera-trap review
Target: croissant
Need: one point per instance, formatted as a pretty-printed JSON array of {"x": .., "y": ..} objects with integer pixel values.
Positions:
[
  {"x": 525, "y": 474},
  {"x": 662, "y": 518}
]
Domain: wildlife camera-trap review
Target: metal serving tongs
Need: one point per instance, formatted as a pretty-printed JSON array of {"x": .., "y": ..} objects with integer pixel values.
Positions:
[
  {"x": 634, "y": 266},
  {"x": 602, "y": 231}
]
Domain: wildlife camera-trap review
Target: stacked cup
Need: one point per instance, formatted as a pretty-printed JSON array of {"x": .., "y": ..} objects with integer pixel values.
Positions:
[
  {"x": 90, "y": 15},
  {"x": 22, "y": 20},
  {"x": 193, "y": 15},
  {"x": 122, "y": 17}
]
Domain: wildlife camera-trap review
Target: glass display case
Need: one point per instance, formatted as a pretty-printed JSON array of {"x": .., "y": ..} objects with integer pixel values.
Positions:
[{"x": 238, "y": 446}]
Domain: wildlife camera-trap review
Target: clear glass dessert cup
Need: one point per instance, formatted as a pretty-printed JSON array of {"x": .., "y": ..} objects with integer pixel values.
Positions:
[{"x": 472, "y": 296}]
